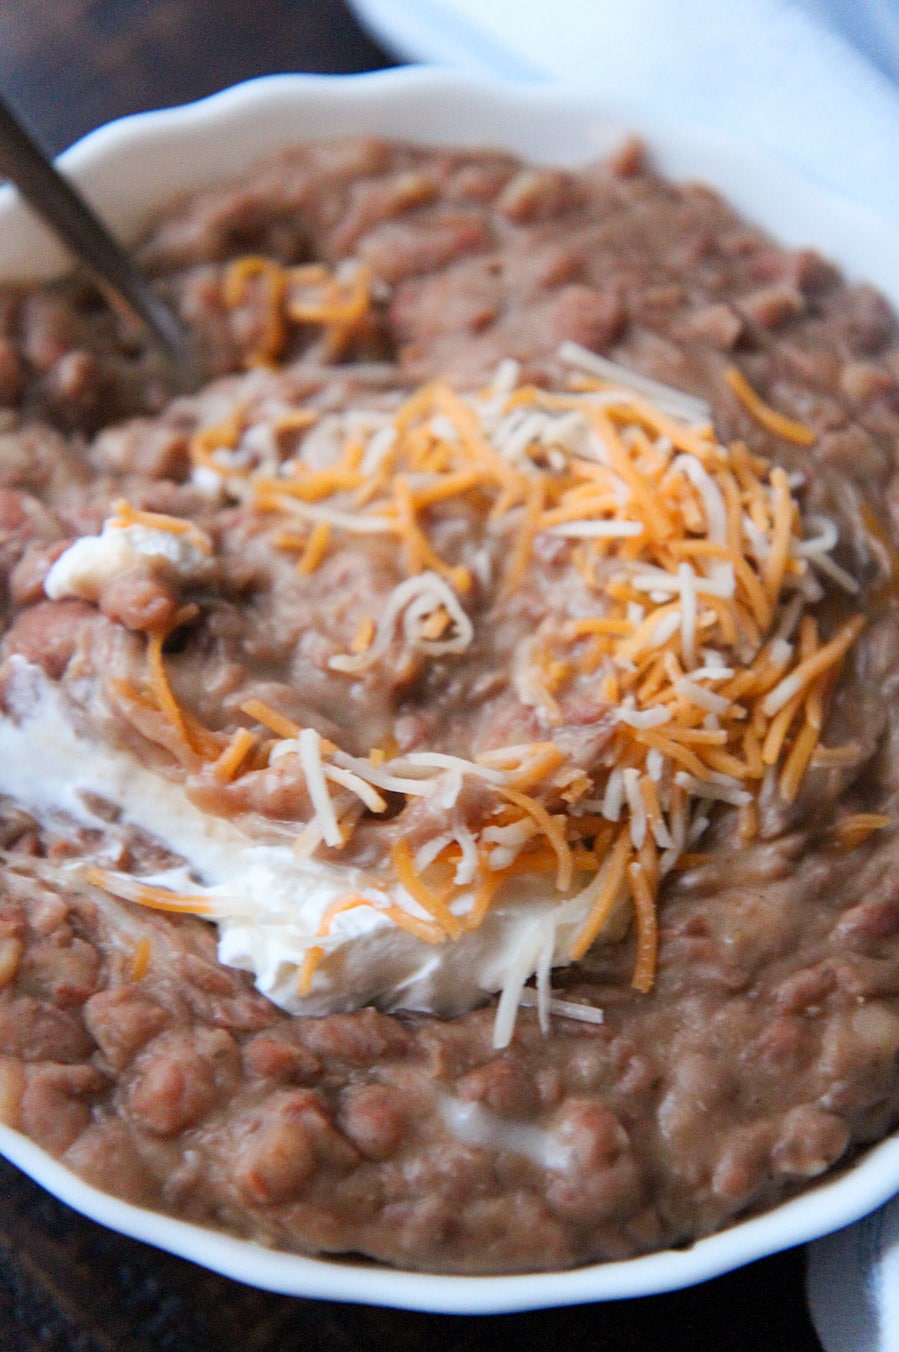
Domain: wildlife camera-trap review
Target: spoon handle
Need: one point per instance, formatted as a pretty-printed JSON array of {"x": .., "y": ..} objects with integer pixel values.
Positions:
[{"x": 45, "y": 189}]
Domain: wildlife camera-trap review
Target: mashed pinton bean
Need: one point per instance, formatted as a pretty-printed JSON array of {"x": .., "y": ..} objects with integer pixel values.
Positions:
[{"x": 497, "y": 659}]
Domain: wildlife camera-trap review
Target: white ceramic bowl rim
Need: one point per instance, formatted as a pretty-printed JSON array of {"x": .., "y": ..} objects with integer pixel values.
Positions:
[
  {"x": 128, "y": 169},
  {"x": 823, "y": 1209}
]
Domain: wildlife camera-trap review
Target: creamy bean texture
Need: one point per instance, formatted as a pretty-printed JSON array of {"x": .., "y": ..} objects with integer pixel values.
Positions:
[{"x": 450, "y": 760}]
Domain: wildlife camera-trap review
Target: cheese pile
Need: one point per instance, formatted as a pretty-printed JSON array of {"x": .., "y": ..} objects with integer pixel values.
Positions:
[{"x": 700, "y": 646}]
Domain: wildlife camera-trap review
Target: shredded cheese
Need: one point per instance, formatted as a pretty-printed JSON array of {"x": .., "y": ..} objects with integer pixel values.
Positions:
[
  {"x": 854, "y": 830},
  {"x": 696, "y": 642},
  {"x": 773, "y": 421},
  {"x": 127, "y": 515},
  {"x": 413, "y": 603},
  {"x": 338, "y": 301},
  {"x": 148, "y": 894}
]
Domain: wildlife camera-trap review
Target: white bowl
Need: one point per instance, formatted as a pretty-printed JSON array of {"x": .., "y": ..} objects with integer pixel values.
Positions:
[{"x": 130, "y": 168}]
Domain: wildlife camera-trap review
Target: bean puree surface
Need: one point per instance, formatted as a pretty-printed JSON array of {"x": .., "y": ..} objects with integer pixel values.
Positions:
[{"x": 762, "y": 1048}]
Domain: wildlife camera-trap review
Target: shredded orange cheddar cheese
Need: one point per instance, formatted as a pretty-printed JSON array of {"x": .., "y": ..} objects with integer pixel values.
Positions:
[
  {"x": 271, "y": 718},
  {"x": 147, "y": 894},
  {"x": 314, "y": 548},
  {"x": 338, "y": 301},
  {"x": 140, "y": 958},
  {"x": 778, "y": 423},
  {"x": 854, "y": 830},
  {"x": 699, "y": 646},
  {"x": 126, "y": 515},
  {"x": 228, "y": 764}
]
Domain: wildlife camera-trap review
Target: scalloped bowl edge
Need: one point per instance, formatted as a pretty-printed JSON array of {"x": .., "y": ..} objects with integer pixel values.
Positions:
[{"x": 132, "y": 166}]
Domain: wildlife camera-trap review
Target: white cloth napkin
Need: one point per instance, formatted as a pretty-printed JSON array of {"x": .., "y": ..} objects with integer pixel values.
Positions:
[
  {"x": 853, "y": 1285},
  {"x": 815, "y": 81},
  {"x": 787, "y": 74}
]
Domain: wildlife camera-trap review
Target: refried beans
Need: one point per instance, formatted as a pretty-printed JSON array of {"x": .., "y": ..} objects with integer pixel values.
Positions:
[{"x": 450, "y": 760}]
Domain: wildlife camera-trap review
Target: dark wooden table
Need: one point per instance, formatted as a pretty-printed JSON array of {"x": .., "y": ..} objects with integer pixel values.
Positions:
[{"x": 66, "y": 1285}]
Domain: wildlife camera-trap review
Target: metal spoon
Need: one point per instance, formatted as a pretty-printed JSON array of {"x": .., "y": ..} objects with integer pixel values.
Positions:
[{"x": 67, "y": 213}]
